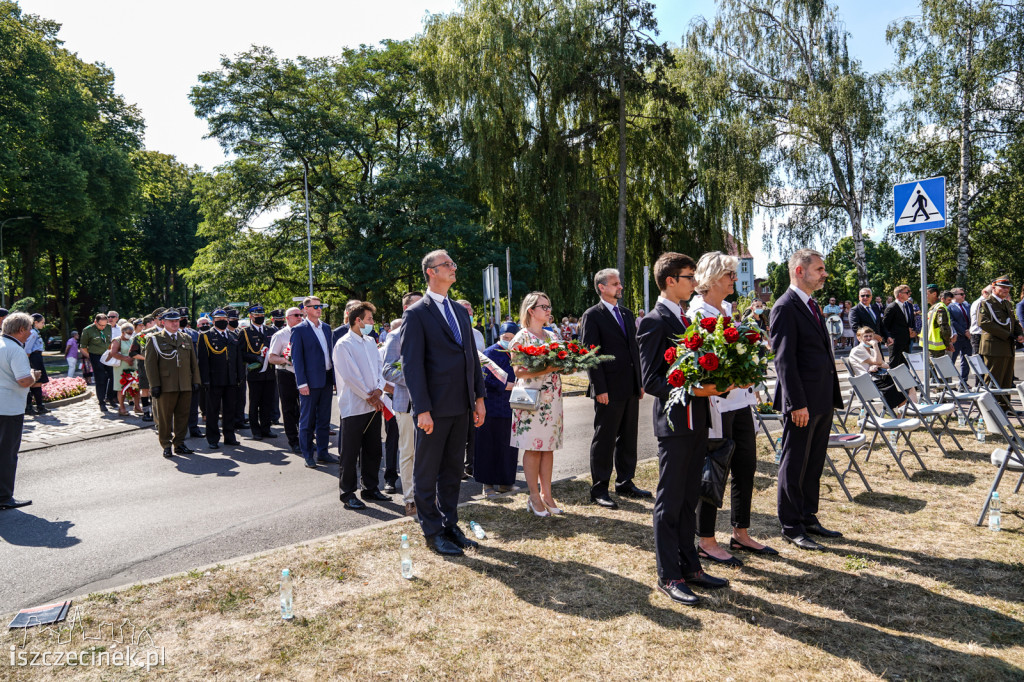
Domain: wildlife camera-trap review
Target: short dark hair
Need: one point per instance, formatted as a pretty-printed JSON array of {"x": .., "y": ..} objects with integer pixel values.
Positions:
[
  {"x": 147, "y": 319},
  {"x": 671, "y": 264},
  {"x": 409, "y": 295},
  {"x": 357, "y": 311},
  {"x": 98, "y": 316},
  {"x": 946, "y": 294}
]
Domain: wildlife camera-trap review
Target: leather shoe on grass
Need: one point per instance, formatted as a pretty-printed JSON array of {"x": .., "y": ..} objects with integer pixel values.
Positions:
[
  {"x": 678, "y": 591},
  {"x": 702, "y": 579},
  {"x": 804, "y": 542},
  {"x": 735, "y": 545},
  {"x": 604, "y": 501},
  {"x": 410, "y": 509},
  {"x": 327, "y": 459},
  {"x": 443, "y": 546},
  {"x": 14, "y": 504},
  {"x": 818, "y": 529},
  {"x": 456, "y": 535},
  {"x": 354, "y": 503},
  {"x": 731, "y": 561},
  {"x": 375, "y": 495},
  {"x": 630, "y": 490},
  {"x": 183, "y": 450}
]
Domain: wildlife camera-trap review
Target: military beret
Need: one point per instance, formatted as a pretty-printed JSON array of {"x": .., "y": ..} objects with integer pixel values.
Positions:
[{"x": 933, "y": 287}]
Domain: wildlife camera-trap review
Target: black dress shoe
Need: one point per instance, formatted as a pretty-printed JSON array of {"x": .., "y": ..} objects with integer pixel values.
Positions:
[
  {"x": 215, "y": 446},
  {"x": 443, "y": 546},
  {"x": 268, "y": 434},
  {"x": 456, "y": 535},
  {"x": 735, "y": 544},
  {"x": 183, "y": 450},
  {"x": 233, "y": 441},
  {"x": 375, "y": 495},
  {"x": 731, "y": 561},
  {"x": 804, "y": 542},
  {"x": 31, "y": 411},
  {"x": 295, "y": 447},
  {"x": 14, "y": 504},
  {"x": 167, "y": 453},
  {"x": 630, "y": 490},
  {"x": 604, "y": 501},
  {"x": 195, "y": 433},
  {"x": 41, "y": 409},
  {"x": 354, "y": 503},
  {"x": 327, "y": 459},
  {"x": 257, "y": 436},
  {"x": 702, "y": 579},
  {"x": 818, "y": 529},
  {"x": 678, "y": 591},
  {"x": 390, "y": 488},
  {"x": 147, "y": 417}
]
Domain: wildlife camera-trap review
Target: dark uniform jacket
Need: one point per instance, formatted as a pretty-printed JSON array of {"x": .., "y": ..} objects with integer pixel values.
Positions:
[
  {"x": 999, "y": 327},
  {"x": 253, "y": 341},
  {"x": 171, "y": 362},
  {"x": 220, "y": 359}
]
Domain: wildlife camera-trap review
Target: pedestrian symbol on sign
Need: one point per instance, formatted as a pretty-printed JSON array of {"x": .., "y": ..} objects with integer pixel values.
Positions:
[{"x": 920, "y": 208}]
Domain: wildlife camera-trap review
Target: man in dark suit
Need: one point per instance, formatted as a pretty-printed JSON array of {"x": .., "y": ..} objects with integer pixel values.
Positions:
[
  {"x": 254, "y": 342},
  {"x": 442, "y": 373},
  {"x": 682, "y": 436},
  {"x": 616, "y": 388},
  {"x": 314, "y": 377},
  {"x": 960, "y": 316},
  {"x": 240, "y": 420},
  {"x": 868, "y": 314},
  {"x": 221, "y": 367},
  {"x": 806, "y": 394},
  {"x": 899, "y": 324},
  {"x": 193, "y": 410}
]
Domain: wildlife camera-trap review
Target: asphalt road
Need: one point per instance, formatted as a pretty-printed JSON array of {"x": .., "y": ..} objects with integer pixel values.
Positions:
[{"x": 113, "y": 511}]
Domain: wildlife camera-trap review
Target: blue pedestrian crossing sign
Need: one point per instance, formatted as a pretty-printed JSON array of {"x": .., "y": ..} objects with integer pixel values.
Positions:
[{"x": 919, "y": 205}]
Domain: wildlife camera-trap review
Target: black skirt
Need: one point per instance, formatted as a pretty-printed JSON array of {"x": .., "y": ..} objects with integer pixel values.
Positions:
[{"x": 35, "y": 361}]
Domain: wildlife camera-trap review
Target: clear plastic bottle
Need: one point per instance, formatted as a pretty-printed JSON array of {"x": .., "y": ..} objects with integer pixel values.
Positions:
[
  {"x": 980, "y": 430},
  {"x": 778, "y": 450},
  {"x": 478, "y": 530},
  {"x": 994, "y": 513},
  {"x": 860, "y": 419},
  {"x": 406, "y": 553},
  {"x": 960, "y": 418},
  {"x": 286, "y": 594}
]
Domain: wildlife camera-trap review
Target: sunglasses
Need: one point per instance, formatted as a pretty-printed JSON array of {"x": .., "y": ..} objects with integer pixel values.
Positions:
[{"x": 295, "y": 315}]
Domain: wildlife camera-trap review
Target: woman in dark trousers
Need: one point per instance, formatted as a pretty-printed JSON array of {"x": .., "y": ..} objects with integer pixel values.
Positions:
[
  {"x": 34, "y": 348},
  {"x": 494, "y": 460}
]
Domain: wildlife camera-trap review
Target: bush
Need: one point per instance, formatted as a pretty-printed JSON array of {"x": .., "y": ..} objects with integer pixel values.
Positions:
[{"x": 59, "y": 389}]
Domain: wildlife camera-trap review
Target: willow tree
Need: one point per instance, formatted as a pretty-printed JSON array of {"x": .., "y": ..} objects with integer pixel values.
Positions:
[{"x": 791, "y": 68}]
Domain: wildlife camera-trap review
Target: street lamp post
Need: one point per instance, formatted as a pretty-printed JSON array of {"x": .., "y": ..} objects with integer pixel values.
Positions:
[
  {"x": 3, "y": 264},
  {"x": 309, "y": 238}
]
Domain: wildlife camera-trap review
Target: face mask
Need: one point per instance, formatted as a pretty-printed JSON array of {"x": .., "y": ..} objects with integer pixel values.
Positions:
[
  {"x": 503, "y": 343},
  {"x": 221, "y": 324},
  {"x": 258, "y": 321},
  {"x": 758, "y": 311},
  {"x": 233, "y": 324},
  {"x": 279, "y": 323},
  {"x": 204, "y": 327}
]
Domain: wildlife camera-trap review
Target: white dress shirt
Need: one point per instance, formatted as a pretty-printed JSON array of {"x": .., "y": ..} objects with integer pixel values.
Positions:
[
  {"x": 672, "y": 306},
  {"x": 278, "y": 343},
  {"x": 975, "y": 307},
  {"x": 323, "y": 342},
  {"x": 357, "y": 367}
]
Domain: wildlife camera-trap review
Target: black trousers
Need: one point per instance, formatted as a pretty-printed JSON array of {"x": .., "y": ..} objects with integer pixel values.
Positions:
[
  {"x": 360, "y": 449},
  {"x": 391, "y": 452},
  {"x": 220, "y": 402},
  {"x": 437, "y": 472},
  {"x": 739, "y": 426},
  {"x": 11, "y": 426},
  {"x": 896, "y": 355},
  {"x": 262, "y": 395},
  {"x": 193, "y": 409},
  {"x": 103, "y": 376},
  {"x": 803, "y": 458},
  {"x": 470, "y": 448},
  {"x": 289, "y": 393},
  {"x": 680, "y": 462},
  {"x": 615, "y": 429},
  {"x": 240, "y": 405}
]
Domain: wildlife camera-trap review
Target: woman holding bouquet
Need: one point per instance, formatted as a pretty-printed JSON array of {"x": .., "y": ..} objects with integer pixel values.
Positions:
[
  {"x": 120, "y": 349},
  {"x": 539, "y": 431},
  {"x": 716, "y": 279}
]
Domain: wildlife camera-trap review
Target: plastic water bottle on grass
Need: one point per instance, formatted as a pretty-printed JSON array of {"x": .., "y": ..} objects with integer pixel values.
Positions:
[
  {"x": 478, "y": 530},
  {"x": 960, "y": 418},
  {"x": 406, "y": 553},
  {"x": 980, "y": 431},
  {"x": 860, "y": 419},
  {"x": 286, "y": 594},
  {"x": 994, "y": 513}
]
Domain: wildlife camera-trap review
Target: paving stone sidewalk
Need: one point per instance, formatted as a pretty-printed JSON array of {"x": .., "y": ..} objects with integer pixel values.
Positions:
[{"x": 78, "y": 421}]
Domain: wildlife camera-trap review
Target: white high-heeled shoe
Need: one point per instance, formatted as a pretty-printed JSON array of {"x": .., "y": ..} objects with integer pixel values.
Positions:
[
  {"x": 529, "y": 506},
  {"x": 554, "y": 510}
]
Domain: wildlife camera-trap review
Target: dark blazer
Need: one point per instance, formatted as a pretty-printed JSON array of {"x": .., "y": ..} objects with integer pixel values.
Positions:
[
  {"x": 897, "y": 325},
  {"x": 619, "y": 378},
  {"x": 252, "y": 340},
  {"x": 435, "y": 365},
  {"x": 220, "y": 359},
  {"x": 860, "y": 317},
  {"x": 338, "y": 333},
  {"x": 657, "y": 331},
  {"x": 804, "y": 364},
  {"x": 960, "y": 321},
  {"x": 308, "y": 356}
]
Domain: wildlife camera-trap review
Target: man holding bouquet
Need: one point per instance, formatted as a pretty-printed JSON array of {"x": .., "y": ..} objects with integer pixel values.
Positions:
[
  {"x": 806, "y": 394},
  {"x": 682, "y": 435}
]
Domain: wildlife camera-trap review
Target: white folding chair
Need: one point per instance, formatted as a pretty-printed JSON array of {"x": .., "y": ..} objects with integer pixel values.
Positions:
[
  {"x": 885, "y": 421},
  {"x": 952, "y": 388},
  {"x": 986, "y": 382},
  {"x": 928, "y": 412},
  {"x": 852, "y": 444},
  {"x": 997, "y": 423}
]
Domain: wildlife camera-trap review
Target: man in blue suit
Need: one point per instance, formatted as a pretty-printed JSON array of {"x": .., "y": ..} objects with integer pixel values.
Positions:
[
  {"x": 960, "y": 317},
  {"x": 442, "y": 373},
  {"x": 314, "y": 376},
  {"x": 806, "y": 394}
]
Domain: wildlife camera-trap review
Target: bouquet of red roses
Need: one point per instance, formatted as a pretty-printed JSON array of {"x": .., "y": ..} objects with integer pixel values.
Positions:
[
  {"x": 129, "y": 384},
  {"x": 567, "y": 358},
  {"x": 719, "y": 351}
]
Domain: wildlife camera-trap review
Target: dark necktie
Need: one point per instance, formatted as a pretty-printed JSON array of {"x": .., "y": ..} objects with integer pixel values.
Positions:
[
  {"x": 450, "y": 316},
  {"x": 618, "y": 316},
  {"x": 909, "y": 312},
  {"x": 814, "y": 310},
  {"x": 871, "y": 310}
]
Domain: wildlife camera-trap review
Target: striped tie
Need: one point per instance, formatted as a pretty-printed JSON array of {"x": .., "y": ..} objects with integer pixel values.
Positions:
[{"x": 450, "y": 316}]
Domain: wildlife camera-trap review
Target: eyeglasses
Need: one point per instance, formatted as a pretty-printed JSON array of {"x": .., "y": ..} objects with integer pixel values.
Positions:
[
  {"x": 865, "y": 295},
  {"x": 731, "y": 274},
  {"x": 295, "y": 315},
  {"x": 543, "y": 307},
  {"x": 315, "y": 307},
  {"x": 689, "y": 277},
  {"x": 446, "y": 264}
]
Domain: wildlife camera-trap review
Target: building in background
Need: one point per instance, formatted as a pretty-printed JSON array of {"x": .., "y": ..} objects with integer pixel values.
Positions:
[{"x": 745, "y": 268}]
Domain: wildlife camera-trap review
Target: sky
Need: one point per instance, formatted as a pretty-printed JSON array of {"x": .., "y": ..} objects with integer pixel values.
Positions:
[{"x": 157, "y": 50}]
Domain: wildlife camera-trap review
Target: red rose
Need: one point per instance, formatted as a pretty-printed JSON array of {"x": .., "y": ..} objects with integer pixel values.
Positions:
[
  {"x": 753, "y": 337},
  {"x": 562, "y": 355},
  {"x": 670, "y": 355},
  {"x": 709, "y": 323},
  {"x": 709, "y": 361},
  {"x": 592, "y": 347},
  {"x": 676, "y": 378},
  {"x": 554, "y": 346},
  {"x": 731, "y": 335},
  {"x": 694, "y": 342}
]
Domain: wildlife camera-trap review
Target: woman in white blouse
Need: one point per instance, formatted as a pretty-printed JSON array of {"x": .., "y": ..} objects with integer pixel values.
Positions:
[
  {"x": 715, "y": 279},
  {"x": 866, "y": 358}
]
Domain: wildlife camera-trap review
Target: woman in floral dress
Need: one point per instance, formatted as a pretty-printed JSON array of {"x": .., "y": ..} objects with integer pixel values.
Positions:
[{"x": 538, "y": 432}]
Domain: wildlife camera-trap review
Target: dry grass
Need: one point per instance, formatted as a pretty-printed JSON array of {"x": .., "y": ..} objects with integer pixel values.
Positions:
[{"x": 914, "y": 591}]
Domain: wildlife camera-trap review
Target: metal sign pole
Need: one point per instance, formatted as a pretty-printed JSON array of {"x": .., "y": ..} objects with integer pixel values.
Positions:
[
  {"x": 925, "y": 355},
  {"x": 647, "y": 293},
  {"x": 508, "y": 275}
]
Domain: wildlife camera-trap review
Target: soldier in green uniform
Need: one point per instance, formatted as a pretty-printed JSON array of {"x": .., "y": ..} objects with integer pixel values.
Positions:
[
  {"x": 999, "y": 330},
  {"x": 940, "y": 333},
  {"x": 173, "y": 370}
]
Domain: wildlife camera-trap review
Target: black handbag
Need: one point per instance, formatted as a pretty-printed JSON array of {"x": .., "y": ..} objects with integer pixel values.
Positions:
[{"x": 716, "y": 470}]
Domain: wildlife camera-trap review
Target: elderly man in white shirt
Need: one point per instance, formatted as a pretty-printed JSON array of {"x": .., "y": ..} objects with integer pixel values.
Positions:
[
  {"x": 358, "y": 368},
  {"x": 975, "y": 329}
]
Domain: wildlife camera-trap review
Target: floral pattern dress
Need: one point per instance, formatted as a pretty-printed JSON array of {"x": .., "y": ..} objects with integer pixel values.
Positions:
[{"x": 540, "y": 429}]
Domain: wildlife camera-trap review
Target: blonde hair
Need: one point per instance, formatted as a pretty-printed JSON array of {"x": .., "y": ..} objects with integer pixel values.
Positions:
[
  {"x": 711, "y": 266},
  {"x": 529, "y": 302},
  {"x": 865, "y": 329}
]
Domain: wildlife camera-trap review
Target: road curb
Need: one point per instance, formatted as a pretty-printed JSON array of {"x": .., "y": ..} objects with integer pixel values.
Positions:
[{"x": 70, "y": 401}]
